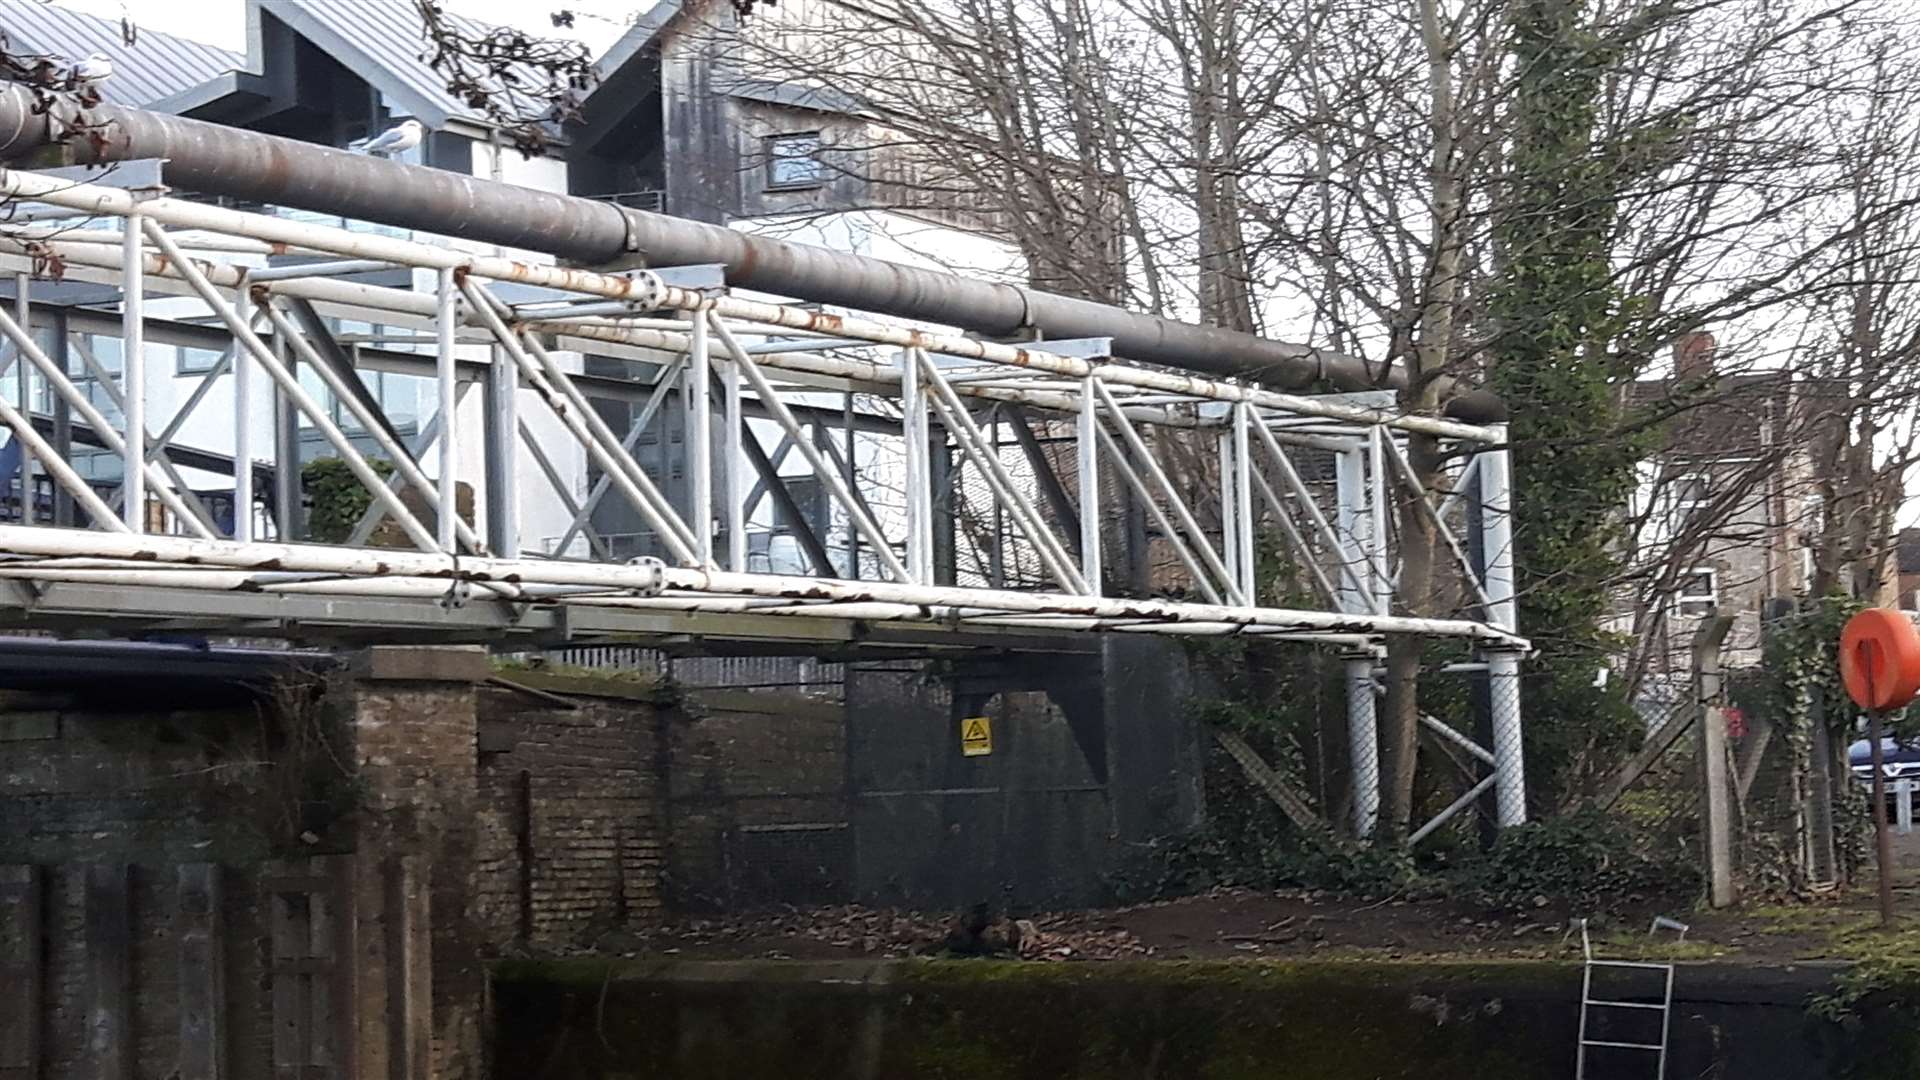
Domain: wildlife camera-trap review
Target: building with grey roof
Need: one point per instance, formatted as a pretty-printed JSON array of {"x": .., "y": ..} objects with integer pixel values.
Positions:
[{"x": 150, "y": 69}]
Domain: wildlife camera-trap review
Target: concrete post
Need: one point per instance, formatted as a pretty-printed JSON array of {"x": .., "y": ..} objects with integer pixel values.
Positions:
[{"x": 1715, "y": 804}]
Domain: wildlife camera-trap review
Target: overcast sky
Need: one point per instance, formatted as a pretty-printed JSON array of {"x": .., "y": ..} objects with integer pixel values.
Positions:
[{"x": 223, "y": 22}]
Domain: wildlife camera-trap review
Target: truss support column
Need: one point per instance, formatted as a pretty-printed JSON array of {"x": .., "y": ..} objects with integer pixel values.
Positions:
[
  {"x": 242, "y": 438},
  {"x": 735, "y": 456},
  {"x": 919, "y": 454},
  {"x": 699, "y": 401},
  {"x": 1376, "y": 533},
  {"x": 23, "y": 314},
  {"x": 1363, "y": 742},
  {"x": 1229, "y": 507},
  {"x": 63, "y": 509},
  {"x": 1503, "y": 666},
  {"x": 288, "y": 513},
  {"x": 502, "y": 444},
  {"x": 133, "y": 410},
  {"x": 1352, "y": 525},
  {"x": 941, "y": 471},
  {"x": 1087, "y": 448},
  {"x": 1242, "y": 489},
  {"x": 448, "y": 383}
]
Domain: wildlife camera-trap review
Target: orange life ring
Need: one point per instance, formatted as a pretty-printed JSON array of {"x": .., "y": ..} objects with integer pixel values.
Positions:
[{"x": 1880, "y": 659}]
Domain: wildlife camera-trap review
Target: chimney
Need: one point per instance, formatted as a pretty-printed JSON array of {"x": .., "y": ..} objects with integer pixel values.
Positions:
[{"x": 1693, "y": 357}]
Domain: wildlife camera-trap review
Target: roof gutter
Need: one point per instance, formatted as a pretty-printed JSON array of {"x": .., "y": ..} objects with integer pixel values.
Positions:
[{"x": 220, "y": 160}]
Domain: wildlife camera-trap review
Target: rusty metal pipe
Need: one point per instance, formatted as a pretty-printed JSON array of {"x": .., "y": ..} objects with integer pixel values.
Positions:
[{"x": 220, "y": 160}]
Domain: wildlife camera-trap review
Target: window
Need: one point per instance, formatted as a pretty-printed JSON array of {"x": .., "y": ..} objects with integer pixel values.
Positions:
[
  {"x": 195, "y": 361},
  {"x": 793, "y": 161},
  {"x": 1691, "y": 491},
  {"x": 1699, "y": 592}
]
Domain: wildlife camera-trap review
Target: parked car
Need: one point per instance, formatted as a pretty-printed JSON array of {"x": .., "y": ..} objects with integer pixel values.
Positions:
[{"x": 1902, "y": 760}]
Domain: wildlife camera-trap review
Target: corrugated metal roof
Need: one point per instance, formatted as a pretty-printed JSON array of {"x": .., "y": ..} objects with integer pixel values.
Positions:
[
  {"x": 156, "y": 66},
  {"x": 383, "y": 41},
  {"x": 638, "y": 38}
]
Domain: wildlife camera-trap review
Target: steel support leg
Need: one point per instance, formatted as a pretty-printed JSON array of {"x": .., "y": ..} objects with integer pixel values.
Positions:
[
  {"x": 919, "y": 493},
  {"x": 447, "y": 382},
  {"x": 503, "y": 458},
  {"x": 699, "y": 399},
  {"x": 23, "y": 313},
  {"x": 733, "y": 455},
  {"x": 1363, "y": 743},
  {"x": 133, "y": 414},
  {"x": 1503, "y": 667},
  {"x": 1087, "y": 452},
  {"x": 1240, "y": 484},
  {"x": 242, "y": 442},
  {"x": 289, "y": 511}
]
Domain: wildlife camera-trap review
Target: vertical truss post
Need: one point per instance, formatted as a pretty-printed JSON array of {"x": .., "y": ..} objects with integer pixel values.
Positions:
[
  {"x": 1243, "y": 501},
  {"x": 1376, "y": 470},
  {"x": 447, "y": 382},
  {"x": 242, "y": 439},
  {"x": 133, "y": 411},
  {"x": 1352, "y": 523},
  {"x": 946, "y": 569},
  {"x": 850, "y": 472},
  {"x": 63, "y": 516},
  {"x": 1087, "y": 449},
  {"x": 1503, "y": 666},
  {"x": 1229, "y": 505},
  {"x": 734, "y": 455},
  {"x": 502, "y": 437},
  {"x": 23, "y": 313},
  {"x": 699, "y": 399},
  {"x": 288, "y": 512},
  {"x": 913, "y": 410},
  {"x": 997, "y": 554}
]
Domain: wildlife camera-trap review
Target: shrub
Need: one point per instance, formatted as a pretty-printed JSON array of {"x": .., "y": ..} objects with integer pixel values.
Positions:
[{"x": 1583, "y": 859}]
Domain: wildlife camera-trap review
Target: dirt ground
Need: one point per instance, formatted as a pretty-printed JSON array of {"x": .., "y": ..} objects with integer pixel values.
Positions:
[{"x": 1298, "y": 924}]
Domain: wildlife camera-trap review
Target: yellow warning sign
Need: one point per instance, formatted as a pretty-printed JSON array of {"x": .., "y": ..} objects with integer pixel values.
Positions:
[{"x": 976, "y": 736}]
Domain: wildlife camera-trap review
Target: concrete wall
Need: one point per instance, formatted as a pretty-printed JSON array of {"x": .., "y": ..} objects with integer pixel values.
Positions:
[{"x": 1325, "y": 1020}]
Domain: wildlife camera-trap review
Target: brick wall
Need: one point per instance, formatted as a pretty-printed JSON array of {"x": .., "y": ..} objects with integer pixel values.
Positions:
[
  {"x": 757, "y": 791},
  {"x": 103, "y": 798},
  {"x": 363, "y": 845},
  {"x": 571, "y": 817}
]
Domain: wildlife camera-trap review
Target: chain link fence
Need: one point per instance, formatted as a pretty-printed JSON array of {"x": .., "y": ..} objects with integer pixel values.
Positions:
[{"x": 1795, "y": 810}]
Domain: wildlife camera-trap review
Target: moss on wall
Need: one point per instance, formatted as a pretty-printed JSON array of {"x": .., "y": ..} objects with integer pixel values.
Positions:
[
  {"x": 1317, "y": 1020},
  {"x": 982, "y": 1020}
]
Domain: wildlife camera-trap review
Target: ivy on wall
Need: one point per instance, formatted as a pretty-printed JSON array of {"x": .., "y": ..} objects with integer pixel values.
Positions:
[{"x": 335, "y": 498}]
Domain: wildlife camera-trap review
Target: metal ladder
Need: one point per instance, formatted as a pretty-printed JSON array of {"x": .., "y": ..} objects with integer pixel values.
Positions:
[{"x": 1588, "y": 1003}]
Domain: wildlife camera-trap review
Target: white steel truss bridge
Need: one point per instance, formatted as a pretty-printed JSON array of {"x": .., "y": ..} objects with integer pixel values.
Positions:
[{"x": 872, "y": 451}]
